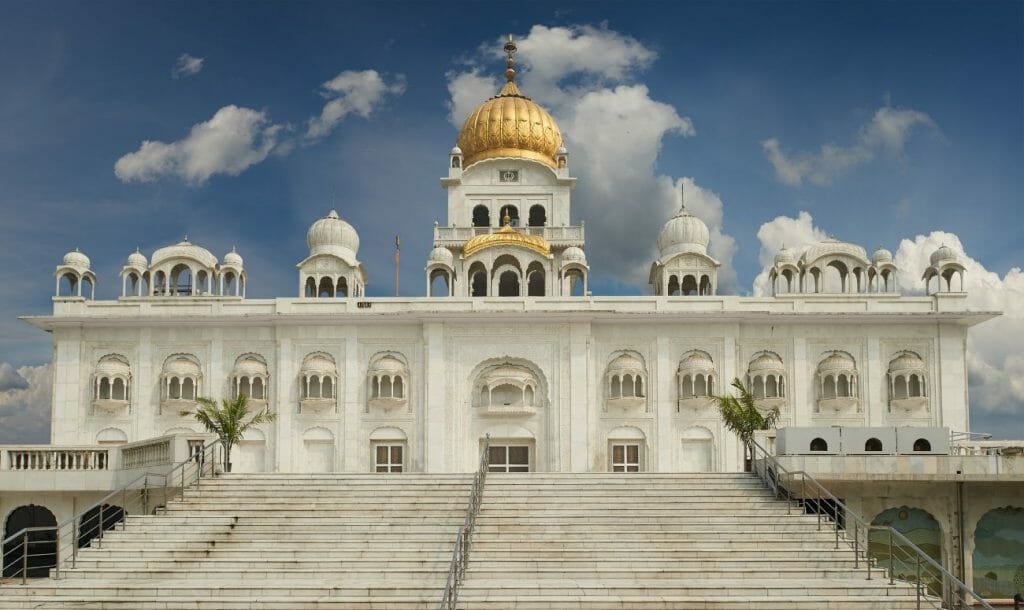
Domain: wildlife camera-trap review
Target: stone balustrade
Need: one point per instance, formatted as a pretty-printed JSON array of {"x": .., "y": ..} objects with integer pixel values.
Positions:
[
  {"x": 50, "y": 458},
  {"x": 556, "y": 236},
  {"x": 152, "y": 452}
]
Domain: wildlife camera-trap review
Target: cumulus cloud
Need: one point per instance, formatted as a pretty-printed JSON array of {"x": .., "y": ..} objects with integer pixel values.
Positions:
[
  {"x": 25, "y": 410},
  {"x": 233, "y": 140},
  {"x": 887, "y": 131},
  {"x": 351, "y": 92},
  {"x": 994, "y": 361},
  {"x": 614, "y": 130},
  {"x": 465, "y": 92},
  {"x": 10, "y": 379},
  {"x": 186, "y": 66}
]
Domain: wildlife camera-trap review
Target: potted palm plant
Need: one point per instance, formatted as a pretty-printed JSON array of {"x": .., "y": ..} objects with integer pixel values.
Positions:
[
  {"x": 741, "y": 415},
  {"x": 228, "y": 421}
]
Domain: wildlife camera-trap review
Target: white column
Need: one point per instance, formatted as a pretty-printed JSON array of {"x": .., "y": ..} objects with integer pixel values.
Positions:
[
  {"x": 731, "y": 456},
  {"x": 284, "y": 430},
  {"x": 353, "y": 406},
  {"x": 581, "y": 398},
  {"x": 663, "y": 438},
  {"x": 436, "y": 418},
  {"x": 799, "y": 396}
]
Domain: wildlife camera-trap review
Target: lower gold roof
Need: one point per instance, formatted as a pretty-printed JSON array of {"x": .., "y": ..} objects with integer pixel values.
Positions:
[{"x": 507, "y": 236}]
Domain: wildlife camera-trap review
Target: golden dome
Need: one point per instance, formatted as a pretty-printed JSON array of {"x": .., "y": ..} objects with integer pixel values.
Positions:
[
  {"x": 510, "y": 125},
  {"x": 507, "y": 236}
]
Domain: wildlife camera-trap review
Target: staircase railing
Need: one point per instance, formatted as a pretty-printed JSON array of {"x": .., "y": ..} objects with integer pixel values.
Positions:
[
  {"x": 903, "y": 560},
  {"x": 464, "y": 539},
  {"x": 37, "y": 551}
]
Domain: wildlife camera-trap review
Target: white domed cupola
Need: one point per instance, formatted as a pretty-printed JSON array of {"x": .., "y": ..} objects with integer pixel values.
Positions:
[
  {"x": 696, "y": 375},
  {"x": 625, "y": 382},
  {"x": 784, "y": 273},
  {"x": 332, "y": 235},
  {"x": 440, "y": 270},
  {"x": 183, "y": 269},
  {"x": 331, "y": 269},
  {"x": 684, "y": 232},
  {"x": 946, "y": 272},
  {"x": 684, "y": 267},
  {"x": 882, "y": 273},
  {"x": 74, "y": 271}
]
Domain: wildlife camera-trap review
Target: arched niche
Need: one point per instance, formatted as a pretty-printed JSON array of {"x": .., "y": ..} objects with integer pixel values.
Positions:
[
  {"x": 318, "y": 383},
  {"x": 697, "y": 450},
  {"x": 625, "y": 381},
  {"x": 387, "y": 381},
  {"x": 318, "y": 449},
  {"x": 111, "y": 436},
  {"x": 181, "y": 383}
]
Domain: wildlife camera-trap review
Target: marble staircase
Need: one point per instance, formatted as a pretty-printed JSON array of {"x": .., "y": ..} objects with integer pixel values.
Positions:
[{"x": 284, "y": 541}]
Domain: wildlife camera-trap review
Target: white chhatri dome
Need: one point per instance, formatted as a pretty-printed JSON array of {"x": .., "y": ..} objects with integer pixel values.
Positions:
[
  {"x": 441, "y": 255},
  {"x": 573, "y": 254},
  {"x": 185, "y": 249},
  {"x": 832, "y": 247},
  {"x": 784, "y": 256},
  {"x": 906, "y": 361},
  {"x": 881, "y": 255},
  {"x": 767, "y": 361},
  {"x": 332, "y": 235},
  {"x": 137, "y": 260},
  {"x": 77, "y": 259},
  {"x": 942, "y": 254},
  {"x": 233, "y": 258},
  {"x": 684, "y": 232}
]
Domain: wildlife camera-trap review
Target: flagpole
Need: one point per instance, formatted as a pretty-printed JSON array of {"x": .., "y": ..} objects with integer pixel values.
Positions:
[{"x": 398, "y": 256}]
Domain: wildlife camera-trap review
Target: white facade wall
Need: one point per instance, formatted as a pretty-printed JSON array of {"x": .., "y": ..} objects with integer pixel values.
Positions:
[{"x": 446, "y": 343}]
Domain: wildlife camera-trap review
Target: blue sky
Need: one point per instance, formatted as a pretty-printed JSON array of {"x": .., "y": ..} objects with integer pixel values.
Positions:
[{"x": 887, "y": 121}]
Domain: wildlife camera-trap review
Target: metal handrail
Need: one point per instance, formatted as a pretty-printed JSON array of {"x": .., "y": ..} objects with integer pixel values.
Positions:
[
  {"x": 955, "y": 593},
  {"x": 464, "y": 539},
  {"x": 138, "y": 496}
]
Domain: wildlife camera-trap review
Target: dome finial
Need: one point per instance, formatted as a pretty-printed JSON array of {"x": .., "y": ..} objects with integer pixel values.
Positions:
[
  {"x": 682, "y": 195},
  {"x": 506, "y": 220},
  {"x": 510, "y": 63}
]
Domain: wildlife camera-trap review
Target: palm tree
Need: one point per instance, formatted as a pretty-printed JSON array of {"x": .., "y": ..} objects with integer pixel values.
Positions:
[
  {"x": 741, "y": 415},
  {"x": 228, "y": 421}
]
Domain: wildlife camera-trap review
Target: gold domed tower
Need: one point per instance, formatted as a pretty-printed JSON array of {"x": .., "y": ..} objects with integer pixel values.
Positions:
[
  {"x": 508, "y": 185},
  {"x": 510, "y": 125}
]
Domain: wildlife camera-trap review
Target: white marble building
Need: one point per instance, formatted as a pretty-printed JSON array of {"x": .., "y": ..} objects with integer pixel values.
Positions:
[{"x": 509, "y": 341}]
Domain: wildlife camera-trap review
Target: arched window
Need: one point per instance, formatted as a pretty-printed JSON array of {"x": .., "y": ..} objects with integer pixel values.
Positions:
[
  {"x": 481, "y": 216},
  {"x": 512, "y": 212},
  {"x": 535, "y": 285},
  {"x": 342, "y": 290},
  {"x": 873, "y": 444},
  {"x": 922, "y": 444},
  {"x": 310, "y": 287},
  {"x": 819, "y": 444},
  {"x": 250, "y": 377},
  {"x": 43, "y": 544},
  {"x": 326, "y": 287},
  {"x": 387, "y": 382},
  {"x": 538, "y": 216},
  {"x": 508, "y": 284}
]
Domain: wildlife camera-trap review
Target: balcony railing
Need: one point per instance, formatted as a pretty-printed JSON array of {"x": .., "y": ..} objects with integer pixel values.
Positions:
[
  {"x": 556, "y": 236},
  {"x": 65, "y": 458}
]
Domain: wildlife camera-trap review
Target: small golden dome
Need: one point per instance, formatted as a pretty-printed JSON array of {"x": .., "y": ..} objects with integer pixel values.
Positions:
[
  {"x": 507, "y": 236},
  {"x": 510, "y": 125}
]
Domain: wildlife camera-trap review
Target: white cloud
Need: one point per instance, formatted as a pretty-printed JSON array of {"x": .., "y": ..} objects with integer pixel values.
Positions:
[
  {"x": 994, "y": 361},
  {"x": 614, "y": 131},
  {"x": 25, "y": 412},
  {"x": 351, "y": 92},
  {"x": 466, "y": 90},
  {"x": 10, "y": 379},
  {"x": 887, "y": 131},
  {"x": 233, "y": 140},
  {"x": 186, "y": 66}
]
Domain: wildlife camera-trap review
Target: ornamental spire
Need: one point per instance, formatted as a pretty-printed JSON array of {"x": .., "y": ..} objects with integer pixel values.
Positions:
[{"x": 510, "y": 88}]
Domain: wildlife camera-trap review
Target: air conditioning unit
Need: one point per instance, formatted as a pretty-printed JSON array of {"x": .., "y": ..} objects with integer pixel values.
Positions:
[
  {"x": 913, "y": 440},
  {"x": 869, "y": 441},
  {"x": 807, "y": 441}
]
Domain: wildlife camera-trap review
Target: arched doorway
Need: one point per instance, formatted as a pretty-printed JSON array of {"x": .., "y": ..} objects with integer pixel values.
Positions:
[
  {"x": 921, "y": 528},
  {"x": 319, "y": 448},
  {"x": 98, "y": 519},
  {"x": 998, "y": 557},
  {"x": 41, "y": 547}
]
